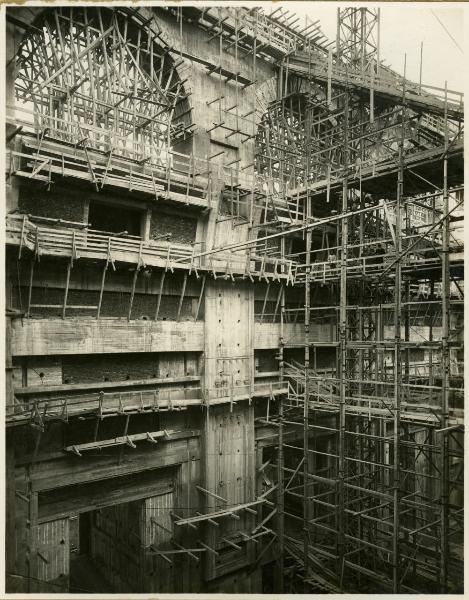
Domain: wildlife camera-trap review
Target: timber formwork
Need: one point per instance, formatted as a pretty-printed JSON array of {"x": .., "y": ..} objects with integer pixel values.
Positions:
[{"x": 87, "y": 116}]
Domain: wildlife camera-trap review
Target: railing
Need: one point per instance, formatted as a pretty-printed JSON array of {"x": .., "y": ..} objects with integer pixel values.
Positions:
[
  {"x": 37, "y": 411},
  {"x": 146, "y": 162},
  {"x": 438, "y": 124},
  {"x": 380, "y": 264},
  {"x": 414, "y": 407},
  {"x": 370, "y": 167},
  {"x": 59, "y": 241},
  {"x": 326, "y": 271},
  {"x": 269, "y": 30},
  {"x": 171, "y": 175}
]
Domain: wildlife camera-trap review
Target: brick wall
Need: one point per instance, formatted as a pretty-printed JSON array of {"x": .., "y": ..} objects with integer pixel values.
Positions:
[
  {"x": 182, "y": 228},
  {"x": 123, "y": 367},
  {"x": 85, "y": 283},
  {"x": 114, "y": 304},
  {"x": 44, "y": 296},
  {"x": 82, "y": 299},
  {"x": 37, "y": 370},
  {"x": 57, "y": 204},
  {"x": 269, "y": 311},
  {"x": 118, "y": 367}
]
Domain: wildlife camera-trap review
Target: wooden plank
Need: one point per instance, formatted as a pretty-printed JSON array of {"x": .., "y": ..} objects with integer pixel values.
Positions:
[
  {"x": 132, "y": 293},
  {"x": 199, "y": 301},
  {"x": 62, "y": 502},
  {"x": 30, "y": 289},
  {"x": 72, "y": 471},
  {"x": 181, "y": 299},
  {"x": 218, "y": 514},
  {"x": 88, "y": 336},
  {"x": 67, "y": 283},
  {"x": 53, "y": 550},
  {"x": 33, "y": 538},
  {"x": 70, "y": 62},
  {"x": 101, "y": 385},
  {"x": 120, "y": 440},
  {"x": 160, "y": 293},
  {"x": 157, "y": 533}
]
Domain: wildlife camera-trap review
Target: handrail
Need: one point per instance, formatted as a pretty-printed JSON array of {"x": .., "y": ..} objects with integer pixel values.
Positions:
[
  {"x": 269, "y": 31},
  {"x": 199, "y": 169},
  {"x": 64, "y": 241},
  {"x": 154, "y": 399}
]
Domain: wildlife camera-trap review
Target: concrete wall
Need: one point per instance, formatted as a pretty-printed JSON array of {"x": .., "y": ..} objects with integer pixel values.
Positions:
[
  {"x": 49, "y": 282},
  {"x": 80, "y": 349},
  {"x": 89, "y": 336}
]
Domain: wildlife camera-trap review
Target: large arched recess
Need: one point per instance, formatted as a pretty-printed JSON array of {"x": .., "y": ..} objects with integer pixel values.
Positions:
[{"x": 103, "y": 75}]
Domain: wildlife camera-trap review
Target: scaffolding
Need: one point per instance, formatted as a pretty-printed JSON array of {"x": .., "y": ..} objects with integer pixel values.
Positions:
[
  {"x": 353, "y": 203},
  {"x": 371, "y": 486}
]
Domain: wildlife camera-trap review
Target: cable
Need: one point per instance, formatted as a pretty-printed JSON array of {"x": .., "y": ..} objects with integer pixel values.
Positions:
[{"x": 444, "y": 27}]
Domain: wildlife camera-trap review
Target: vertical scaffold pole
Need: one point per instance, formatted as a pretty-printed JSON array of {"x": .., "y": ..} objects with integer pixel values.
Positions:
[
  {"x": 398, "y": 350},
  {"x": 306, "y": 398},
  {"x": 342, "y": 350},
  {"x": 280, "y": 458},
  {"x": 445, "y": 359},
  {"x": 306, "y": 358}
]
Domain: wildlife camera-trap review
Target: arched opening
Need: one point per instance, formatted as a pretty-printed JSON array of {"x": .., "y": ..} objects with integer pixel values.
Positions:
[
  {"x": 103, "y": 78},
  {"x": 293, "y": 145}
]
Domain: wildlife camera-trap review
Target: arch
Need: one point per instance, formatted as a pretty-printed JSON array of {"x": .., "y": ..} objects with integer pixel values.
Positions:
[
  {"x": 102, "y": 76},
  {"x": 300, "y": 137},
  {"x": 283, "y": 143}
]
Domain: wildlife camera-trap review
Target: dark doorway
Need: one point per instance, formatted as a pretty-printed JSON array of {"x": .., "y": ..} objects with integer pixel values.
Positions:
[
  {"x": 84, "y": 533},
  {"x": 85, "y": 575},
  {"x": 115, "y": 219},
  {"x": 105, "y": 549}
]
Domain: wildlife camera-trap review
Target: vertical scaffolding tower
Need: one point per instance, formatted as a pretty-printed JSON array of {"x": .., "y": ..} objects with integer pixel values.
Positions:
[{"x": 372, "y": 488}]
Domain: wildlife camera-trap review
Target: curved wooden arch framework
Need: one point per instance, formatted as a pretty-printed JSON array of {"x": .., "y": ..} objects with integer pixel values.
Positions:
[
  {"x": 299, "y": 137},
  {"x": 283, "y": 140},
  {"x": 101, "y": 77}
]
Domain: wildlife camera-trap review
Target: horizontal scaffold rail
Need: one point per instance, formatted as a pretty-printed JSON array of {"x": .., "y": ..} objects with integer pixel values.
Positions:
[
  {"x": 38, "y": 411},
  {"x": 357, "y": 268},
  {"x": 181, "y": 178},
  {"x": 126, "y": 440},
  {"x": 261, "y": 32},
  {"x": 373, "y": 174},
  {"x": 226, "y": 512},
  {"x": 21, "y": 231},
  {"x": 366, "y": 412},
  {"x": 42, "y": 168}
]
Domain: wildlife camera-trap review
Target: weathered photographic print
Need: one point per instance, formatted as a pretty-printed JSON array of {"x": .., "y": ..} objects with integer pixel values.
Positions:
[{"x": 234, "y": 298}]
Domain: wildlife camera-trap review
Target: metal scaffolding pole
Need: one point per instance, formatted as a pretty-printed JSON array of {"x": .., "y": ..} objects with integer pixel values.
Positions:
[
  {"x": 397, "y": 361},
  {"x": 343, "y": 352},
  {"x": 280, "y": 454},
  {"x": 306, "y": 484},
  {"x": 445, "y": 368}
]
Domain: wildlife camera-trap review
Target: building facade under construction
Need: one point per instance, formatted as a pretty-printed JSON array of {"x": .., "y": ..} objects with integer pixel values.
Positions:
[{"x": 234, "y": 306}]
